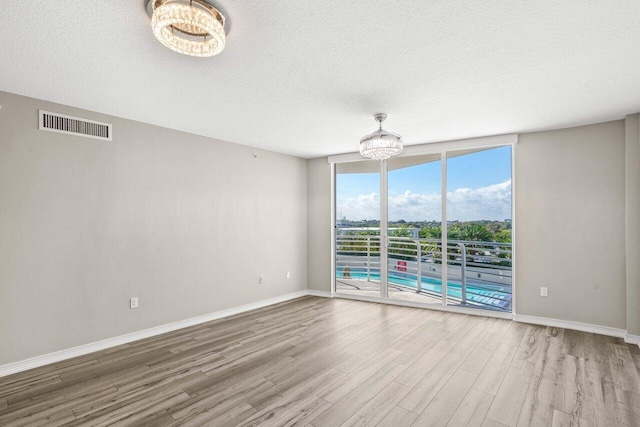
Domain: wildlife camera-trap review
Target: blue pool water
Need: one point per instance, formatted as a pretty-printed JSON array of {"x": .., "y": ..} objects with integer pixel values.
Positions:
[{"x": 495, "y": 296}]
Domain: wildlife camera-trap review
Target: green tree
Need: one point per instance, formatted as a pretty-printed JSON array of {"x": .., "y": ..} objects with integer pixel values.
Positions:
[
  {"x": 430, "y": 233},
  {"x": 455, "y": 233},
  {"x": 475, "y": 232},
  {"x": 401, "y": 232},
  {"x": 401, "y": 249},
  {"x": 503, "y": 236},
  {"x": 493, "y": 227},
  {"x": 358, "y": 246}
]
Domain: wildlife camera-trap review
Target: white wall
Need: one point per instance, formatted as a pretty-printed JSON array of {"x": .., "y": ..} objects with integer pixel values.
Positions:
[
  {"x": 319, "y": 225},
  {"x": 570, "y": 196},
  {"x": 183, "y": 222},
  {"x": 632, "y": 179}
]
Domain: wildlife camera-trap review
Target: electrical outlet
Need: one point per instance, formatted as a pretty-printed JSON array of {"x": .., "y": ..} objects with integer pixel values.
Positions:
[
  {"x": 543, "y": 292},
  {"x": 288, "y": 275},
  {"x": 260, "y": 280},
  {"x": 133, "y": 302}
]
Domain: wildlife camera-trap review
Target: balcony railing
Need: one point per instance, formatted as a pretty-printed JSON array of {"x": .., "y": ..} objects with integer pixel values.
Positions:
[{"x": 478, "y": 273}]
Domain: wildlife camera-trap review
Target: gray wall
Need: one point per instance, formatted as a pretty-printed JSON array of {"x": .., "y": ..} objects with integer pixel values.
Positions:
[
  {"x": 183, "y": 222},
  {"x": 187, "y": 223},
  {"x": 570, "y": 224},
  {"x": 319, "y": 224},
  {"x": 632, "y": 178}
]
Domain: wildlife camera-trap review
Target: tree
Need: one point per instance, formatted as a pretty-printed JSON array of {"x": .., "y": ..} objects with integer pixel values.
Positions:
[
  {"x": 401, "y": 232},
  {"x": 430, "y": 233},
  {"x": 455, "y": 233},
  {"x": 358, "y": 247},
  {"x": 493, "y": 227},
  {"x": 503, "y": 236},
  {"x": 475, "y": 232},
  {"x": 401, "y": 249}
]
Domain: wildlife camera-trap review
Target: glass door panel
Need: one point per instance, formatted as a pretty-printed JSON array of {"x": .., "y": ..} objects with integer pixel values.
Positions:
[
  {"x": 357, "y": 252},
  {"x": 479, "y": 252},
  {"x": 414, "y": 229}
]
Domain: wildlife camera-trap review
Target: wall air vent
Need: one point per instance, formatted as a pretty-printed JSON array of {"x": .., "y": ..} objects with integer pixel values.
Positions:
[{"x": 54, "y": 122}]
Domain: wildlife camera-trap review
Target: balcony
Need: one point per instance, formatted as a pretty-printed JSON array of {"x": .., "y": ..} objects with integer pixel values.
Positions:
[{"x": 478, "y": 273}]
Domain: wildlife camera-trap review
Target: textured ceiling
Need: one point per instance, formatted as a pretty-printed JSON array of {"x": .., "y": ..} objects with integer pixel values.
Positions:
[{"x": 305, "y": 77}]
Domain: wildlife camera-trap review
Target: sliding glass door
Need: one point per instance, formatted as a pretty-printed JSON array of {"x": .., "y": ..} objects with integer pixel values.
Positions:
[
  {"x": 479, "y": 228},
  {"x": 414, "y": 227},
  {"x": 357, "y": 228},
  {"x": 455, "y": 252}
]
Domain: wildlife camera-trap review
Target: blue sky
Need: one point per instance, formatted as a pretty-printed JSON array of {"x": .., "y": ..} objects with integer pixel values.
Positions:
[{"x": 479, "y": 187}]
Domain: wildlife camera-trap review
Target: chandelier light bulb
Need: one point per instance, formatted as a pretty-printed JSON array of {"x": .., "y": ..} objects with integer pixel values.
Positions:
[
  {"x": 380, "y": 145},
  {"x": 190, "y": 27}
]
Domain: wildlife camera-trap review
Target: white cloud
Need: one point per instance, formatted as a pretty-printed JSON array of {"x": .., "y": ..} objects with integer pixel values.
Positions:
[
  {"x": 414, "y": 206},
  {"x": 363, "y": 206},
  {"x": 492, "y": 202}
]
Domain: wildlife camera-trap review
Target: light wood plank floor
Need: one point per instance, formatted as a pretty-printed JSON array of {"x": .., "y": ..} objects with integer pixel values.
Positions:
[{"x": 335, "y": 362}]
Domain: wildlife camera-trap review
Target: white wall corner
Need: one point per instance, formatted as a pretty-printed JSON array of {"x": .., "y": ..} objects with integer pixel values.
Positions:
[
  {"x": 632, "y": 339},
  {"x": 323, "y": 294}
]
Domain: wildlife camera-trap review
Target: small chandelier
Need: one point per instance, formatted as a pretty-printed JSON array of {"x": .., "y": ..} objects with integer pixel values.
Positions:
[
  {"x": 381, "y": 145},
  {"x": 190, "y": 27}
]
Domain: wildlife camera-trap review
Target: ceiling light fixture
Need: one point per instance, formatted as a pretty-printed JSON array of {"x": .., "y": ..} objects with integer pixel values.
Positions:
[
  {"x": 190, "y": 27},
  {"x": 381, "y": 145}
]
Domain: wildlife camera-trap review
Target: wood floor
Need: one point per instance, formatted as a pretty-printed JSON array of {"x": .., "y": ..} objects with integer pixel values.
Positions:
[{"x": 332, "y": 362}]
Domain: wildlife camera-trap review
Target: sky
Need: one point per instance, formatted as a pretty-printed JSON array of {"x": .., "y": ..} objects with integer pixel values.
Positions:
[{"x": 478, "y": 187}]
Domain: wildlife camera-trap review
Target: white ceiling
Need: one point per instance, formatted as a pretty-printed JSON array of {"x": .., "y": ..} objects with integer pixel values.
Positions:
[{"x": 304, "y": 77}]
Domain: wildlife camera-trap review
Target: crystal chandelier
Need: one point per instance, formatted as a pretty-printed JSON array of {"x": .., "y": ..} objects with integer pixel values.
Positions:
[
  {"x": 381, "y": 145},
  {"x": 190, "y": 27}
]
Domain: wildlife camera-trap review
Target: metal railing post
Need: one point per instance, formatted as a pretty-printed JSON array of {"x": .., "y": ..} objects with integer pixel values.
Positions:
[
  {"x": 368, "y": 259},
  {"x": 419, "y": 268},
  {"x": 463, "y": 272}
]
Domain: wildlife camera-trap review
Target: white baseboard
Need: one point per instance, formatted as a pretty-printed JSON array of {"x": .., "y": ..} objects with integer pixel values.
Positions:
[
  {"x": 568, "y": 324},
  {"x": 323, "y": 294},
  {"x": 81, "y": 350},
  {"x": 632, "y": 339}
]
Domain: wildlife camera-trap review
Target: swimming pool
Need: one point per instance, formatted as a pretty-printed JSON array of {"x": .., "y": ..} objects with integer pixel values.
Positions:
[{"x": 492, "y": 296}]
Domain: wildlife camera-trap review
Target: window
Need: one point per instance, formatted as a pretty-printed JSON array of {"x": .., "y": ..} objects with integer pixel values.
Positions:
[{"x": 465, "y": 261}]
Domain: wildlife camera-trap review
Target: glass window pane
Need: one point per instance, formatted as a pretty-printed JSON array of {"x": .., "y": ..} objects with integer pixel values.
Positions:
[
  {"x": 479, "y": 228},
  {"x": 415, "y": 219},
  {"x": 358, "y": 228}
]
